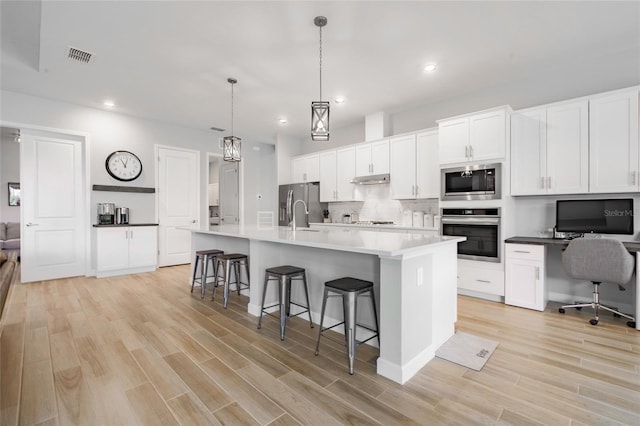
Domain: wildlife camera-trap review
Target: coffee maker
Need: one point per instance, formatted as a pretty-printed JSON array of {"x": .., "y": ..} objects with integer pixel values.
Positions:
[
  {"x": 106, "y": 213},
  {"x": 122, "y": 215}
]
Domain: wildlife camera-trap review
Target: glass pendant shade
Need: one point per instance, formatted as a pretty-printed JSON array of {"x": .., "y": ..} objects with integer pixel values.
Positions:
[
  {"x": 320, "y": 121},
  {"x": 231, "y": 148}
]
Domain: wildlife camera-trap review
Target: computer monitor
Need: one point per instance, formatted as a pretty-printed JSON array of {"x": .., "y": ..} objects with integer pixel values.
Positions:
[{"x": 606, "y": 216}]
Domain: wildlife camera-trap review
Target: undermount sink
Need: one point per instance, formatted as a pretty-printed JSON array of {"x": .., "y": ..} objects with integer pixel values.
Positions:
[{"x": 307, "y": 230}]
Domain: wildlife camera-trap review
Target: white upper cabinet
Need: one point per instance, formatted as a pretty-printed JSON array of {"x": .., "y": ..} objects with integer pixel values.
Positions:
[
  {"x": 414, "y": 166},
  {"x": 427, "y": 169},
  {"x": 372, "y": 158},
  {"x": 454, "y": 141},
  {"x": 327, "y": 176},
  {"x": 568, "y": 148},
  {"x": 305, "y": 168},
  {"x": 613, "y": 142},
  {"x": 475, "y": 137},
  {"x": 403, "y": 167},
  {"x": 529, "y": 152},
  {"x": 345, "y": 171},
  {"x": 337, "y": 169},
  {"x": 549, "y": 150}
]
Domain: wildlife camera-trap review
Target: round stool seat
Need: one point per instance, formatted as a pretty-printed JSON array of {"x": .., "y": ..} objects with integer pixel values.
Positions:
[
  {"x": 285, "y": 270},
  {"x": 349, "y": 284}
]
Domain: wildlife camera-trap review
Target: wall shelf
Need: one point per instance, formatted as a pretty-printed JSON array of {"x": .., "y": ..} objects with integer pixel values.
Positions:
[{"x": 112, "y": 188}]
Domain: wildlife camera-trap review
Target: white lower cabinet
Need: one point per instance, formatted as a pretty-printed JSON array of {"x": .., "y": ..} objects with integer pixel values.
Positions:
[
  {"x": 525, "y": 276},
  {"x": 124, "y": 250},
  {"x": 479, "y": 279}
]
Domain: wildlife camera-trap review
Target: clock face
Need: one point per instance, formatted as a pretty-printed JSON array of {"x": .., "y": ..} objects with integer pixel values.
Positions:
[{"x": 123, "y": 165}]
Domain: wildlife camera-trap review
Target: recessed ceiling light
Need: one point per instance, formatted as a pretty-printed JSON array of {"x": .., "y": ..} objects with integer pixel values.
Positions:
[
  {"x": 340, "y": 99},
  {"x": 430, "y": 67},
  {"x": 283, "y": 121},
  {"x": 109, "y": 104}
]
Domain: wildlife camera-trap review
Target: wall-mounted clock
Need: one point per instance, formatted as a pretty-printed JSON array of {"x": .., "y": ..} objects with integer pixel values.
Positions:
[{"x": 123, "y": 165}]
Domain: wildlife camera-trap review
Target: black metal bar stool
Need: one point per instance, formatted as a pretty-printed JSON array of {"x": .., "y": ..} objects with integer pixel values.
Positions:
[
  {"x": 227, "y": 262},
  {"x": 203, "y": 258},
  {"x": 284, "y": 275},
  {"x": 349, "y": 289}
]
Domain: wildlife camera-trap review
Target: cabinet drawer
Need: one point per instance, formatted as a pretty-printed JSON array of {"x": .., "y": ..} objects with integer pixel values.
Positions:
[
  {"x": 489, "y": 281},
  {"x": 524, "y": 251}
]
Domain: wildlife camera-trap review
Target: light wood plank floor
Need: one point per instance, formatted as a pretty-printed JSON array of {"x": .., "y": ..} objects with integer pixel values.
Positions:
[{"x": 141, "y": 349}]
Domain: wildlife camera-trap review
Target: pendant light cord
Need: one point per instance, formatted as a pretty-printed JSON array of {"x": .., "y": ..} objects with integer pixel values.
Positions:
[
  {"x": 232, "y": 109},
  {"x": 321, "y": 64}
]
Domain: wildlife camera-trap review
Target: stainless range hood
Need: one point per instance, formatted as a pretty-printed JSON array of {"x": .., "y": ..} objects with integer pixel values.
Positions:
[{"x": 371, "y": 179}]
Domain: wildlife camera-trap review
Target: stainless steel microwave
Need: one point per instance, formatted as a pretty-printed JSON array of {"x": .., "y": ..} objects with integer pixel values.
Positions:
[{"x": 472, "y": 182}]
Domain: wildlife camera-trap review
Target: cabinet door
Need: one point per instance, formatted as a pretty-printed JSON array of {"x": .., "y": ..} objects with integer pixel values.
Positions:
[
  {"x": 427, "y": 166},
  {"x": 345, "y": 171},
  {"x": 454, "y": 141},
  {"x": 312, "y": 168},
  {"x": 529, "y": 152},
  {"x": 380, "y": 157},
  {"x": 613, "y": 142},
  {"x": 487, "y": 136},
  {"x": 403, "y": 167},
  {"x": 524, "y": 283},
  {"x": 298, "y": 169},
  {"x": 363, "y": 159},
  {"x": 568, "y": 148},
  {"x": 112, "y": 249},
  {"x": 327, "y": 176},
  {"x": 143, "y": 246}
]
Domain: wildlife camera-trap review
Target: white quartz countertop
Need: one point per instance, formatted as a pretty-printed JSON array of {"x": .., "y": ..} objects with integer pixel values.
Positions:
[
  {"x": 372, "y": 226},
  {"x": 349, "y": 239}
]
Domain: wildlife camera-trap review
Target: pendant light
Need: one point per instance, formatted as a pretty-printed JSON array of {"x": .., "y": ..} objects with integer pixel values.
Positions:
[
  {"x": 320, "y": 109},
  {"x": 231, "y": 144}
]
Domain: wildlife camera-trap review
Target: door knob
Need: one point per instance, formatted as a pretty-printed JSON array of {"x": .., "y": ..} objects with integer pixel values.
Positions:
[
  {"x": 193, "y": 221},
  {"x": 32, "y": 224}
]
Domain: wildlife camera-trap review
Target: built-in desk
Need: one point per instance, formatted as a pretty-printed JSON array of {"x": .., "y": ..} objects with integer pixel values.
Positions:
[{"x": 527, "y": 268}]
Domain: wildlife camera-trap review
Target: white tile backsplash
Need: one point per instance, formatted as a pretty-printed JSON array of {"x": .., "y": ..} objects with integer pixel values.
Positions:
[{"x": 378, "y": 205}]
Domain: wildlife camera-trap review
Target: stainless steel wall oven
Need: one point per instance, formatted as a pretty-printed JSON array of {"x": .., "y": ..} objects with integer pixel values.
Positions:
[{"x": 480, "y": 226}]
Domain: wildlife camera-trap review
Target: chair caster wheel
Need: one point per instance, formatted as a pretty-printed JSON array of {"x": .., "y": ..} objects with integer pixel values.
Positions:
[
  {"x": 631, "y": 324},
  {"x": 259, "y": 326},
  {"x": 578, "y": 308},
  {"x": 561, "y": 310},
  {"x": 317, "y": 352},
  {"x": 617, "y": 315},
  {"x": 593, "y": 322}
]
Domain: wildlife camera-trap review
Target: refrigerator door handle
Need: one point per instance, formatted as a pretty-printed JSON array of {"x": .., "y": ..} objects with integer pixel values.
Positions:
[{"x": 289, "y": 205}]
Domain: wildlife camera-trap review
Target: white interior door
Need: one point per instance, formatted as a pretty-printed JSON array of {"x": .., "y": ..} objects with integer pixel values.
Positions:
[
  {"x": 229, "y": 198},
  {"x": 53, "y": 207},
  {"x": 178, "y": 203}
]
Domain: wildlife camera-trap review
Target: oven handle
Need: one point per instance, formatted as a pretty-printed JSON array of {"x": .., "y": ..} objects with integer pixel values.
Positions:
[{"x": 471, "y": 221}]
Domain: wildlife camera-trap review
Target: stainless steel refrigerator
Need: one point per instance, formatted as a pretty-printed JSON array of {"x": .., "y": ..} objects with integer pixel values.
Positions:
[{"x": 307, "y": 192}]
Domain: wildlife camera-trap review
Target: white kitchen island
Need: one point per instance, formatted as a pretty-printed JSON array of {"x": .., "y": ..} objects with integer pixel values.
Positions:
[{"x": 414, "y": 274}]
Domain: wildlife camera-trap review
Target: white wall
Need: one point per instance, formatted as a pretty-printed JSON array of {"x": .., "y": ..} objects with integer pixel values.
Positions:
[
  {"x": 9, "y": 172},
  {"x": 109, "y": 131},
  {"x": 260, "y": 177}
]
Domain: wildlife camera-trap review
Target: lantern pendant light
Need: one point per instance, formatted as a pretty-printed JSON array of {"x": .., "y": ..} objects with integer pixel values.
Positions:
[
  {"x": 320, "y": 109},
  {"x": 231, "y": 144}
]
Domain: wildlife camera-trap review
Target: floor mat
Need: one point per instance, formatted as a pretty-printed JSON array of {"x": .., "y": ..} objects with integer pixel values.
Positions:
[{"x": 467, "y": 350}]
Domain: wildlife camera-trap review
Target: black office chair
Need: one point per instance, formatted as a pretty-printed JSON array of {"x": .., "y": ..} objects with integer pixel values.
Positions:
[{"x": 599, "y": 260}]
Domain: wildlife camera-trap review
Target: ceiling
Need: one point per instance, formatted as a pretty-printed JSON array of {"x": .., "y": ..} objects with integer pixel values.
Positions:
[{"x": 170, "y": 60}]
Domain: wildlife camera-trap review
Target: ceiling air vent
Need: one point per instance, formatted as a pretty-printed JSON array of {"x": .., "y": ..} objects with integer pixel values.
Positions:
[
  {"x": 79, "y": 55},
  {"x": 217, "y": 129}
]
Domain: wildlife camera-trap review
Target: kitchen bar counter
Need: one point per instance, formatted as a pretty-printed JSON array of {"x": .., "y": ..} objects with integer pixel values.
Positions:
[{"x": 414, "y": 276}]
